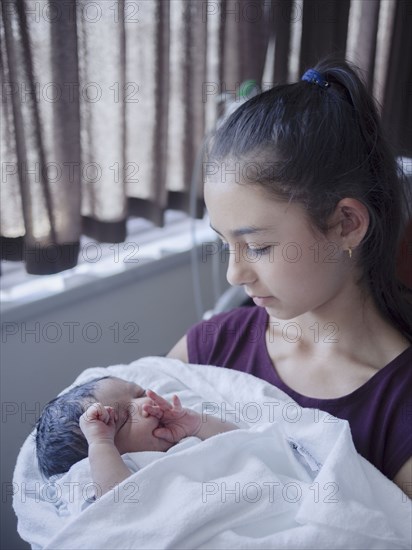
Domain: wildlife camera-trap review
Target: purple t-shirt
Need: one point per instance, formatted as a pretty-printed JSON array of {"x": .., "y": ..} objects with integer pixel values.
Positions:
[{"x": 379, "y": 412}]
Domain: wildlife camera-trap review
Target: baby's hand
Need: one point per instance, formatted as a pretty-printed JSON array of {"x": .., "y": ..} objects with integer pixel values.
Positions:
[
  {"x": 175, "y": 422},
  {"x": 98, "y": 423}
]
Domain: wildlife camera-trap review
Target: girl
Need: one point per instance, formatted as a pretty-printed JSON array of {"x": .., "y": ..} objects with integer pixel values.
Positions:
[{"x": 302, "y": 188}]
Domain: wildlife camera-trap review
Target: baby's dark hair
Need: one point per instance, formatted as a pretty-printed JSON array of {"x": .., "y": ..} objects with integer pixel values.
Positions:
[
  {"x": 316, "y": 145},
  {"x": 60, "y": 443}
]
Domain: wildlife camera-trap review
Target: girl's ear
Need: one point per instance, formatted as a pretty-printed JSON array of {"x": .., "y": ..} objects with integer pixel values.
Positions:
[{"x": 350, "y": 222}]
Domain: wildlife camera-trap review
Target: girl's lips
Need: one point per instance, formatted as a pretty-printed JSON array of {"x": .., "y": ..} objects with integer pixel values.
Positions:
[{"x": 262, "y": 300}]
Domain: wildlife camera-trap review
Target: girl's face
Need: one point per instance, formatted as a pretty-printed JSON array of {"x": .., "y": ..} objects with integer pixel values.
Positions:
[{"x": 273, "y": 252}]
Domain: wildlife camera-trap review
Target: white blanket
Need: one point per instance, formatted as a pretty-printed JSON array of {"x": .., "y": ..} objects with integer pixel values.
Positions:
[{"x": 289, "y": 478}]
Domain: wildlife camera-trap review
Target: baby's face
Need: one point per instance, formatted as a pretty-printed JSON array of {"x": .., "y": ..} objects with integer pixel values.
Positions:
[{"x": 134, "y": 431}]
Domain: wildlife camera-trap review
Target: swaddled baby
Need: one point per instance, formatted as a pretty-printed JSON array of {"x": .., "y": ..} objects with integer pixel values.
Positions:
[{"x": 108, "y": 417}]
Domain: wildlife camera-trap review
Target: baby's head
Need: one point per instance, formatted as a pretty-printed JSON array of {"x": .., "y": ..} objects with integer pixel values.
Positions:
[{"x": 60, "y": 443}]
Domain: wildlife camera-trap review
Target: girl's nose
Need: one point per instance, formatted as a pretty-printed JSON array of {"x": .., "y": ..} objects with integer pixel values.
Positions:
[{"x": 240, "y": 270}]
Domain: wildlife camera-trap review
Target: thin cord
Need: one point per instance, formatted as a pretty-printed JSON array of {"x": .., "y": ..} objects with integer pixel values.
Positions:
[{"x": 194, "y": 256}]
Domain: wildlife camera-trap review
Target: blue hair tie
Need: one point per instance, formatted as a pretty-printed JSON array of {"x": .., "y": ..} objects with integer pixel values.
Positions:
[{"x": 315, "y": 77}]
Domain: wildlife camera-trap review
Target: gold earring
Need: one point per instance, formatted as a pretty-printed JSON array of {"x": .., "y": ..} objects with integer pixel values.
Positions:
[{"x": 350, "y": 252}]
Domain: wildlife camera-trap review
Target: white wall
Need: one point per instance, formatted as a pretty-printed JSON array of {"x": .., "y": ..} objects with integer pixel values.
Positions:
[{"x": 157, "y": 302}]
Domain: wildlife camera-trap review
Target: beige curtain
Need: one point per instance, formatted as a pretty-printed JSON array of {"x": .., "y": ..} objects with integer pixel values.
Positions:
[{"x": 105, "y": 104}]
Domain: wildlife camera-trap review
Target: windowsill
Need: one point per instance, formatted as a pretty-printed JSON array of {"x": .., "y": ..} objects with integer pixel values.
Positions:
[{"x": 103, "y": 266}]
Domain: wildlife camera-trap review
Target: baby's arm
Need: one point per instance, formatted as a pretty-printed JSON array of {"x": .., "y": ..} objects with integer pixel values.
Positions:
[
  {"x": 177, "y": 422},
  {"x": 212, "y": 426},
  {"x": 106, "y": 464}
]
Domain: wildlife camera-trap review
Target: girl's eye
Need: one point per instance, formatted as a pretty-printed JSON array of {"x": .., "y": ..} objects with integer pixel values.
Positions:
[
  {"x": 259, "y": 251},
  {"x": 252, "y": 250}
]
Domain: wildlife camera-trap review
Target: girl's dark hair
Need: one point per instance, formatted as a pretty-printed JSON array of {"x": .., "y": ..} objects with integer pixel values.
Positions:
[
  {"x": 316, "y": 146},
  {"x": 60, "y": 443}
]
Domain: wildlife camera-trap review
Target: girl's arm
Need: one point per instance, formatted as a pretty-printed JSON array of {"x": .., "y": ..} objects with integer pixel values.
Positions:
[
  {"x": 403, "y": 478},
  {"x": 106, "y": 464},
  {"x": 179, "y": 351}
]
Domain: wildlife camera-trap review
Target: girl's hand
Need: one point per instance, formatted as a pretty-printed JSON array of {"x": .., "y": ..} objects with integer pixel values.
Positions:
[
  {"x": 175, "y": 422},
  {"x": 98, "y": 423}
]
